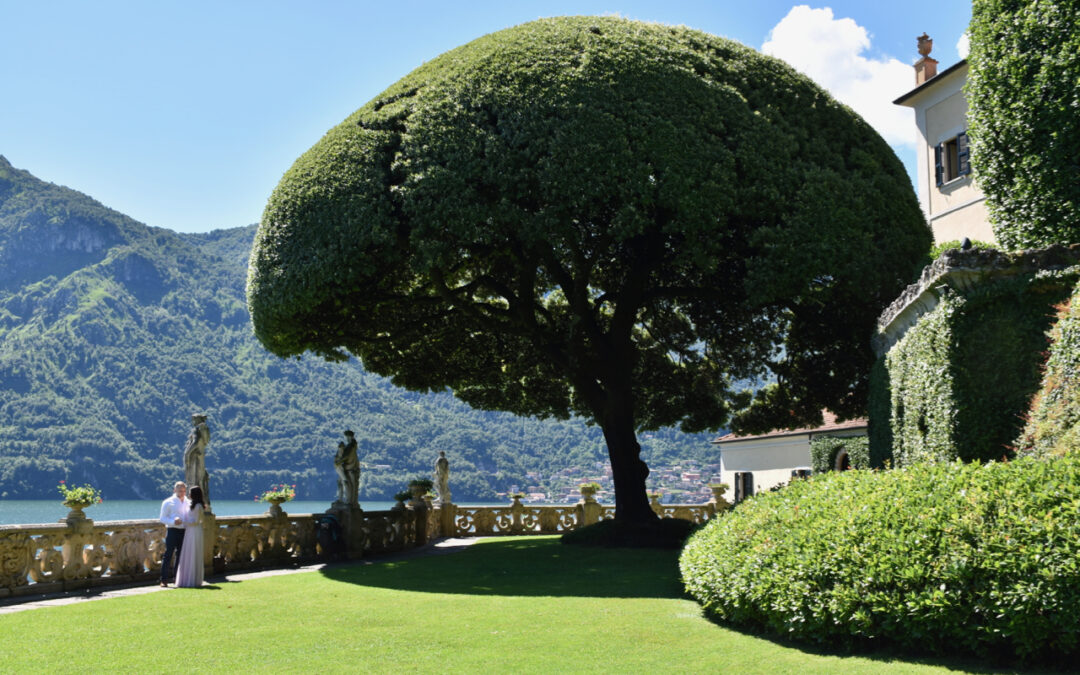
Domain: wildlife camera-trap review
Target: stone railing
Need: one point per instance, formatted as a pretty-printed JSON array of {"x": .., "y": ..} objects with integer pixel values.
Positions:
[
  {"x": 79, "y": 553},
  {"x": 518, "y": 518}
]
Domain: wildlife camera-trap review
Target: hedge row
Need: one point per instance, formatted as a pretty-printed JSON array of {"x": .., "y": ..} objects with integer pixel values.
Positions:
[
  {"x": 941, "y": 557},
  {"x": 824, "y": 449}
]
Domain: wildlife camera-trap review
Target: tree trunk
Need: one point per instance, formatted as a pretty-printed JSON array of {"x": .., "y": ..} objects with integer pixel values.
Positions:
[{"x": 628, "y": 471}]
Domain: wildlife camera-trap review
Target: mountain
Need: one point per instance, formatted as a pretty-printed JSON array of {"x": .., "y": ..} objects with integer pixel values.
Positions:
[{"x": 112, "y": 333}]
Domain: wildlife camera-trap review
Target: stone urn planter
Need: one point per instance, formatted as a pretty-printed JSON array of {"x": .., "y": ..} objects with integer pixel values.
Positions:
[
  {"x": 76, "y": 512},
  {"x": 718, "y": 503},
  {"x": 77, "y": 499},
  {"x": 275, "y": 506},
  {"x": 588, "y": 491},
  {"x": 419, "y": 487}
]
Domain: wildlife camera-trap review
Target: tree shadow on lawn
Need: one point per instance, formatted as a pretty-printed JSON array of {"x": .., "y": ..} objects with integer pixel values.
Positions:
[
  {"x": 527, "y": 567},
  {"x": 542, "y": 566}
]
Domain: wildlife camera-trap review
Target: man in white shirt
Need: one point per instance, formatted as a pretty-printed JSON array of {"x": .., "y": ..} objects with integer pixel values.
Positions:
[{"x": 172, "y": 516}]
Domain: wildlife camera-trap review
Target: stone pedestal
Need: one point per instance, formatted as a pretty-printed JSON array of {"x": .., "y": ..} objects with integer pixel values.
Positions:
[
  {"x": 588, "y": 510},
  {"x": 76, "y": 565},
  {"x": 420, "y": 508},
  {"x": 447, "y": 513},
  {"x": 351, "y": 519},
  {"x": 209, "y": 532}
]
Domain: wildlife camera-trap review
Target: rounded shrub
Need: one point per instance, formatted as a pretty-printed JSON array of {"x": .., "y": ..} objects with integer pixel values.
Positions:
[{"x": 936, "y": 557}]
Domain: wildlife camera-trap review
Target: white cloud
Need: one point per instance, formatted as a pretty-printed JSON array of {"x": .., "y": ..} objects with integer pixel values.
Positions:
[
  {"x": 831, "y": 52},
  {"x": 962, "y": 46}
]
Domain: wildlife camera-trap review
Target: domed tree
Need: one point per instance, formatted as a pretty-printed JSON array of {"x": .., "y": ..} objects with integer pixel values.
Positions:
[
  {"x": 600, "y": 217},
  {"x": 1024, "y": 92}
]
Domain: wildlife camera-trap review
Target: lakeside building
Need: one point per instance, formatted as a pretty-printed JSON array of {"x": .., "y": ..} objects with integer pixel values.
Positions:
[
  {"x": 951, "y": 200},
  {"x": 754, "y": 463}
]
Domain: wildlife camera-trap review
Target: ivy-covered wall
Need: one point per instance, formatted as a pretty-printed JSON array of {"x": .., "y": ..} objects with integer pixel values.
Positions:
[
  {"x": 1053, "y": 426},
  {"x": 958, "y": 383},
  {"x": 824, "y": 449}
]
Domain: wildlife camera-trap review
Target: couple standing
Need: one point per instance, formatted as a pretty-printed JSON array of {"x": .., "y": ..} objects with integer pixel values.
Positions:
[{"x": 183, "y": 519}]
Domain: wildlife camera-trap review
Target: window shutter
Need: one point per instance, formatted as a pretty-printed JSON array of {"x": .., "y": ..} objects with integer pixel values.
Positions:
[
  {"x": 962, "y": 154},
  {"x": 939, "y": 164}
]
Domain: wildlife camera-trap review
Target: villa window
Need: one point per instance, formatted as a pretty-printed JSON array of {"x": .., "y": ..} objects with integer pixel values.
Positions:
[{"x": 951, "y": 159}]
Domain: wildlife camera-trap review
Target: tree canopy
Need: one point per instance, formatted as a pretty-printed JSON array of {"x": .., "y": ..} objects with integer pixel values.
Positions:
[
  {"x": 596, "y": 216},
  {"x": 1024, "y": 97}
]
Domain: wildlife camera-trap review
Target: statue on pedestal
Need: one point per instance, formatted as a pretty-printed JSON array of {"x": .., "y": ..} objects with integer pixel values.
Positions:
[
  {"x": 347, "y": 466},
  {"x": 195, "y": 457},
  {"x": 442, "y": 478}
]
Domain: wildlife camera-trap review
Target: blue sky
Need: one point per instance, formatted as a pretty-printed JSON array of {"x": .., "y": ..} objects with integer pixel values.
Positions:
[{"x": 185, "y": 115}]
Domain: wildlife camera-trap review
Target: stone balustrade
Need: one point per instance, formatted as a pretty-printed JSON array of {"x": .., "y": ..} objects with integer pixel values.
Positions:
[{"x": 79, "y": 553}]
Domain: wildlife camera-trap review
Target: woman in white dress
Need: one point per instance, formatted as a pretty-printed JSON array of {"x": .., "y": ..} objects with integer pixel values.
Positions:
[{"x": 189, "y": 571}]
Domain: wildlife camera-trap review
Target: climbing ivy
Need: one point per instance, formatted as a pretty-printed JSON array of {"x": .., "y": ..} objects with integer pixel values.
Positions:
[
  {"x": 957, "y": 383},
  {"x": 824, "y": 449}
]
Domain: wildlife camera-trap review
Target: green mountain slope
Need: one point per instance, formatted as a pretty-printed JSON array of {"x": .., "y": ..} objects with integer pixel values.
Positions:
[{"x": 112, "y": 333}]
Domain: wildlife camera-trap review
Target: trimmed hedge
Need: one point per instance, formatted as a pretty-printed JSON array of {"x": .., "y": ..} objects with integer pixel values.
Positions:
[
  {"x": 938, "y": 557},
  {"x": 824, "y": 449},
  {"x": 1053, "y": 426},
  {"x": 1025, "y": 130}
]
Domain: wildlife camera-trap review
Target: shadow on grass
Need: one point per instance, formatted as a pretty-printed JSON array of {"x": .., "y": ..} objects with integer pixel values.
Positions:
[
  {"x": 528, "y": 567},
  {"x": 542, "y": 566},
  {"x": 885, "y": 653}
]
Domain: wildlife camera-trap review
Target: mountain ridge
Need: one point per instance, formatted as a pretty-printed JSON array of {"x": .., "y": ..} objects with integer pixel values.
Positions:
[{"x": 113, "y": 332}]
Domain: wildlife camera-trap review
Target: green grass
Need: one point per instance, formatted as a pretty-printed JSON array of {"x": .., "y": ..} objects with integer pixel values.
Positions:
[{"x": 519, "y": 605}]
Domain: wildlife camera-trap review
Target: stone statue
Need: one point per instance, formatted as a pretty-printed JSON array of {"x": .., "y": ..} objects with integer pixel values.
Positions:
[
  {"x": 342, "y": 478},
  {"x": 347, "y": 466},
  {"x": 195, "y": 457},
  {"x": 442, "y": 478}
]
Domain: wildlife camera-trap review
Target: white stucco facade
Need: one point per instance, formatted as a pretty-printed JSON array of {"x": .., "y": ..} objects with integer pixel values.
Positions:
[
  {"x": 952, "y": 202},
  {"x": 771, "y": 460}
]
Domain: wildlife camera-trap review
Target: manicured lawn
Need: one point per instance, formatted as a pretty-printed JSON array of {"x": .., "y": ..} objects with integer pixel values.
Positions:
[{"x": 504, "y": 605}]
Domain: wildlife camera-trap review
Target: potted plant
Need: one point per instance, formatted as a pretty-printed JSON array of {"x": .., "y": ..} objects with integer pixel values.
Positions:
[
  {"x": 420, "y": 487},
  {"x": 589, "y": 490},
  {"x": 78, "y": 498},
  {"x": 278, "y": 495},
  {"x": 401, "y": 498}
]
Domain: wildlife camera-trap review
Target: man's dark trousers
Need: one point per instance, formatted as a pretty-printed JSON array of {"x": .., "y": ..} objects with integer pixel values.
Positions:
[{"x": 174, "y": 541}]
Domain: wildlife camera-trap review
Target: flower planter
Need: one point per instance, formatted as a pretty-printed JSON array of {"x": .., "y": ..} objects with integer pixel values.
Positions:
[
  {"x": 275, "y": 506},
  {"x": 76, "y": 512}
]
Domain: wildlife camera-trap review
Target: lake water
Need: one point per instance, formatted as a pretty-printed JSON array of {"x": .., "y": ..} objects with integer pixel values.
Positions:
[{"x": 26, "y": 511}]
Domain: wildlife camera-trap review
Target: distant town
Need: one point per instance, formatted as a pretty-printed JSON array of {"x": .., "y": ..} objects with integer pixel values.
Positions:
[{"x": 684, "y": 483}]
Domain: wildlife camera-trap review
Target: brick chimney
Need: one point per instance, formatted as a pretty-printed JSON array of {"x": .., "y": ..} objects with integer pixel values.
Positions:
[{"x": 925, "y": 67}]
